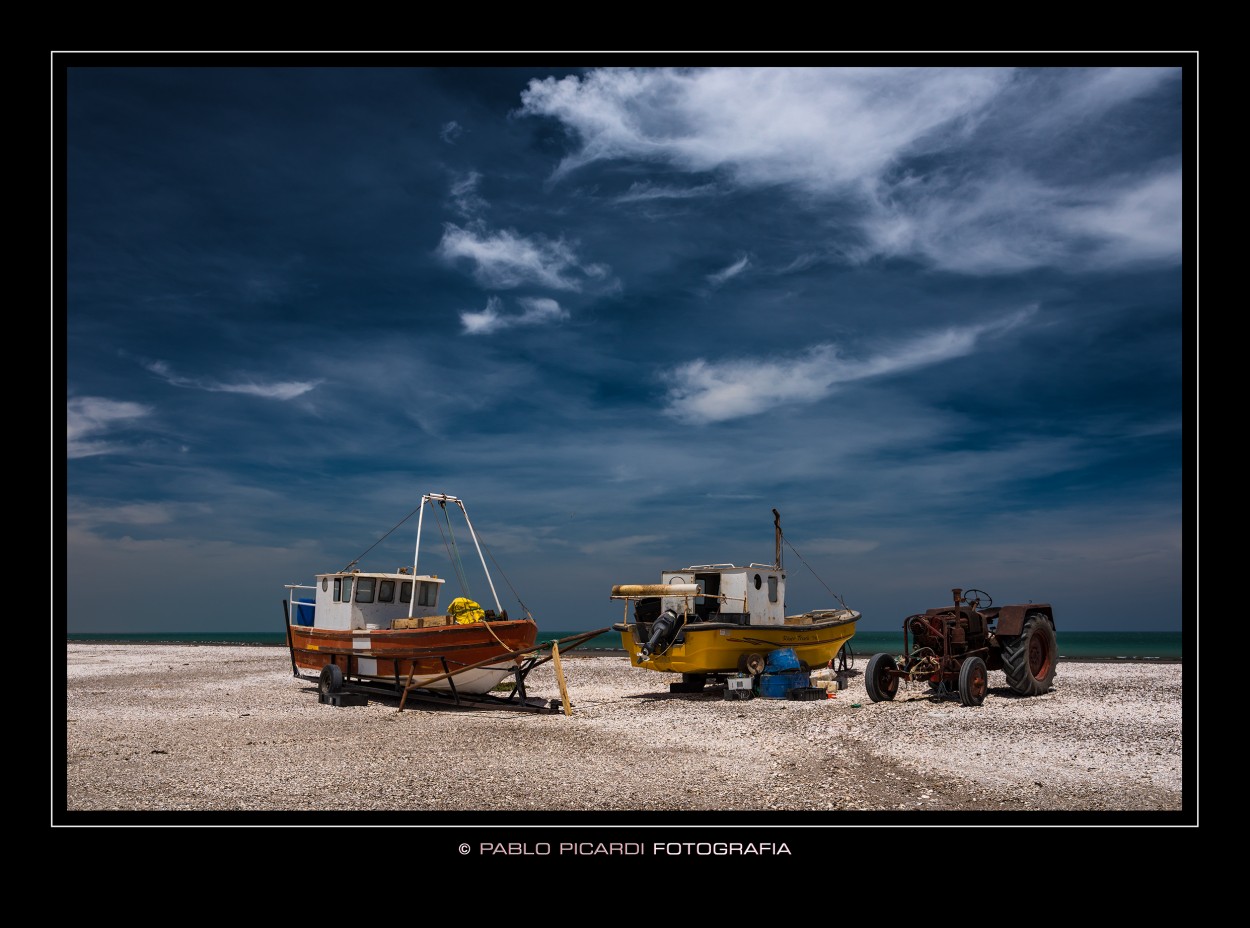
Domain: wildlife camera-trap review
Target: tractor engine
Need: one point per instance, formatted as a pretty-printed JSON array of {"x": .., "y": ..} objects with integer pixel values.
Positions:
[
  {"x": 942, "y": 631},
  {"x": 950, "y": 630}
]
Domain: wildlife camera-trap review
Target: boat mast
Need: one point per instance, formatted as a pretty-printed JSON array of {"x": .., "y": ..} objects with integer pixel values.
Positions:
[
  {"x": 444, "y": 498},
  {"x": 777, "y": 541},
  {"x": 415, "y": 552},
  {"x": 485, "y": 569}
]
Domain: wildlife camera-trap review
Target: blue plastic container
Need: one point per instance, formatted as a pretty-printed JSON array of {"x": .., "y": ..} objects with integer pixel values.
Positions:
[
  {"x": 303, "y": 612},
  {"x": 777, "y": 685},
  {"x": 782, "y": 659}
]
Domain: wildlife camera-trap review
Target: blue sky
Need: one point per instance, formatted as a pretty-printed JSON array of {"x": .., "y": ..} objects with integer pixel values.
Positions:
[{"x": 935, "y": 315}]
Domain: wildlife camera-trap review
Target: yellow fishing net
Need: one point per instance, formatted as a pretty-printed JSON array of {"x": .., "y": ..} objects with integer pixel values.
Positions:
[{"x": 465, "y": 611}]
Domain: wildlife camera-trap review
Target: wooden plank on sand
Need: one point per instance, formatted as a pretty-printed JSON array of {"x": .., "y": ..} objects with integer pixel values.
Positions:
[{"x": 564, "y": 692}]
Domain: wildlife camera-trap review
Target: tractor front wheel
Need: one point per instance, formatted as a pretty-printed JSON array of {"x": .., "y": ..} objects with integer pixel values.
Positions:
[
  {"x": 878, "y": 681},
  {"x": 1029, "y": 659},
  {"x": 973, "y": 681}
]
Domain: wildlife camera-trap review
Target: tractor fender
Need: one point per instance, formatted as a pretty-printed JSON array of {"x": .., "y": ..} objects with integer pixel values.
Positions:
[{"x": 1011, "y": 618}]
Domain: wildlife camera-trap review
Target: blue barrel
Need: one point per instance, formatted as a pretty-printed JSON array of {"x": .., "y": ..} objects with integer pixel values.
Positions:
[
  {"x": 782, "y": 659},
  {"x": 777, "y": 685},
  {"x": 303, "y": 612}
]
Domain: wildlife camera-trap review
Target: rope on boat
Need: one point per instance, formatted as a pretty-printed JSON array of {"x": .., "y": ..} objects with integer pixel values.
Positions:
[
  {"x": 836, "y": 596},
  {"x": 505, "y": 577},
  {"x": 453, "y": 552},
  {"x": 379, "y": 541}
]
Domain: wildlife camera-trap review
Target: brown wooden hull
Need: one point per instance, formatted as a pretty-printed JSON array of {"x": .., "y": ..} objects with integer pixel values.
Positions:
[{"x": 390, "y": 655}]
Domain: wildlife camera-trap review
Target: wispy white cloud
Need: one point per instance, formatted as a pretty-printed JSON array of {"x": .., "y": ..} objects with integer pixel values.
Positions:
[
  {"x": 537, "y": 311},
  {"x": 278, "y": 390},
  {"x": 1088, "y": 94},
  {"x": 89, "y": 416},
  {"x": 450, "y": 132},
  {"x": 646, "y": 190},
  {"x": 613, "y": 548},
  {"x": 801, "y": 263},
  {"x": 706, "y": 391},
  {"x": 88, "y": 517},
  {"x": 732, "y": 271},
  {"x": 503, "y": 260},
  {"x": 1007, "y": 222},
  {"x": 1138, "y": 220},
  {"x": 464, "y": 194},
  {"x": 819, "y": 128},
  {"x": 853, "y": 135}
]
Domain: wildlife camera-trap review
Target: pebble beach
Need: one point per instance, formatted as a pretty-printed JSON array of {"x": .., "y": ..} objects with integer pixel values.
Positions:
[{"x": 230, "y": 729}]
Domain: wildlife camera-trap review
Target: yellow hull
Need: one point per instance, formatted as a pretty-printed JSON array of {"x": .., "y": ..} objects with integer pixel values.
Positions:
[{"x": 720, "y": 648}]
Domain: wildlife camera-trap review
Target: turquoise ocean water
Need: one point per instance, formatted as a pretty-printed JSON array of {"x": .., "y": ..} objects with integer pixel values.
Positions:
[{"x": 1086, "y": 646}]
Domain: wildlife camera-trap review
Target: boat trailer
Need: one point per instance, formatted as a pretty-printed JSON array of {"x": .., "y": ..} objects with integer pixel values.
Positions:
[{"x": 334, "y": 688}]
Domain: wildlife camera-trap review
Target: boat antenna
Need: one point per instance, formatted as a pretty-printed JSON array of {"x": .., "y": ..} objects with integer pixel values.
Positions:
[{"x": 356, "y": 561}]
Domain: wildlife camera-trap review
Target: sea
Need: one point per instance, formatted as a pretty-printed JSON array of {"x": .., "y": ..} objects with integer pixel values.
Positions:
[{"x": 1074, "y": 646}]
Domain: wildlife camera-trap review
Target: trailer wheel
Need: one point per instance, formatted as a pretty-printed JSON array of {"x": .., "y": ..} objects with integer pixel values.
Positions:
[
  {"x": 878, "y": 681},
  {"x": 1029, "y": 659},
  {"x": 973, "y": 681},
  {"x": 331, "y": 679}
]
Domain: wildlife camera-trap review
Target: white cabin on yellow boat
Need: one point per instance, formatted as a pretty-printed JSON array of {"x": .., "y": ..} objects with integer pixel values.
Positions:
[{"x": 751, "y": 595}]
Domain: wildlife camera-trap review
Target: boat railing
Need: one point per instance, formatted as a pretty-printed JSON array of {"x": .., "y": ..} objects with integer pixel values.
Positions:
[
  {"x": 645, "y": 591},
  {"x": 301, "y": 608}
]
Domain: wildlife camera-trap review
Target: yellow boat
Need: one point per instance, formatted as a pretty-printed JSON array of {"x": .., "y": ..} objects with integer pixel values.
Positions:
[{"x": 712, "y": 621}]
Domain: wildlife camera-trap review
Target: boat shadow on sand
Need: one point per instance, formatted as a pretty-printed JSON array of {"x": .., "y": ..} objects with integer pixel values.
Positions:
[{"x": 362, "y": 694}]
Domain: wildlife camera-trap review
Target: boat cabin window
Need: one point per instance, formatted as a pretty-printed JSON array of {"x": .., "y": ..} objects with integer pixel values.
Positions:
[
  {"x": 365, "y": 587},
  {"x": 428, "y": 595},
  {"x": 707, "y": 603},
  {"x": 342, "y": 589},
  {"x": 405, "y": 591},
  {"x": 325, "y": 584},
  {"x": 386, "y": 591},
  {"x": 758, "y": 583},
  {"x": 772, "y": 589}
]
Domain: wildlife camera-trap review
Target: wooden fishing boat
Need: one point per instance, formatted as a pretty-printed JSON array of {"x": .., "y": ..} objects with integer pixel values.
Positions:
[
  {"x": 711, "y": 621},
  {"x": 388, "y": 627}
]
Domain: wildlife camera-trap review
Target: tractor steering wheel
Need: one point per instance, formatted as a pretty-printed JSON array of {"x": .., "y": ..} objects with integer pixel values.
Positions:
[{"x": 977, "y": 596}]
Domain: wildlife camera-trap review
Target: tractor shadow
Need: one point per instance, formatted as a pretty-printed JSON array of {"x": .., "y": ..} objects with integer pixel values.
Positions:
[{"x": 952, "y": 695}]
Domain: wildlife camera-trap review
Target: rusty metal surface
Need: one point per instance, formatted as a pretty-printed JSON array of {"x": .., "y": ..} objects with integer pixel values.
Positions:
[
  {"x": 655, "y": 589},
  {"x": 958, "y": 643}
]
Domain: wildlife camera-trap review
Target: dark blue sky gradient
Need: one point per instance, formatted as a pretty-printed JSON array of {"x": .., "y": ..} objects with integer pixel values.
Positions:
[{"x": 936, "y": 316}]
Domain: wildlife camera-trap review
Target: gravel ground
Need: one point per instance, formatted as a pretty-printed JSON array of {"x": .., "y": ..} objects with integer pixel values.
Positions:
[{"x": 175, "y": 728}]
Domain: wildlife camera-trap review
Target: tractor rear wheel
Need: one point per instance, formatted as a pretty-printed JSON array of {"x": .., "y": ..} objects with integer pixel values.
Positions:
[
  {"x": 973, "y": 681},
  {"x": 1029, "y": 659},
  {"x": 878, "y": 681}
]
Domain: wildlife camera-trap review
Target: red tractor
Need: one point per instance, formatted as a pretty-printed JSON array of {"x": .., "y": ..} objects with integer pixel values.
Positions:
[{"x": 955, "y": 647}]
